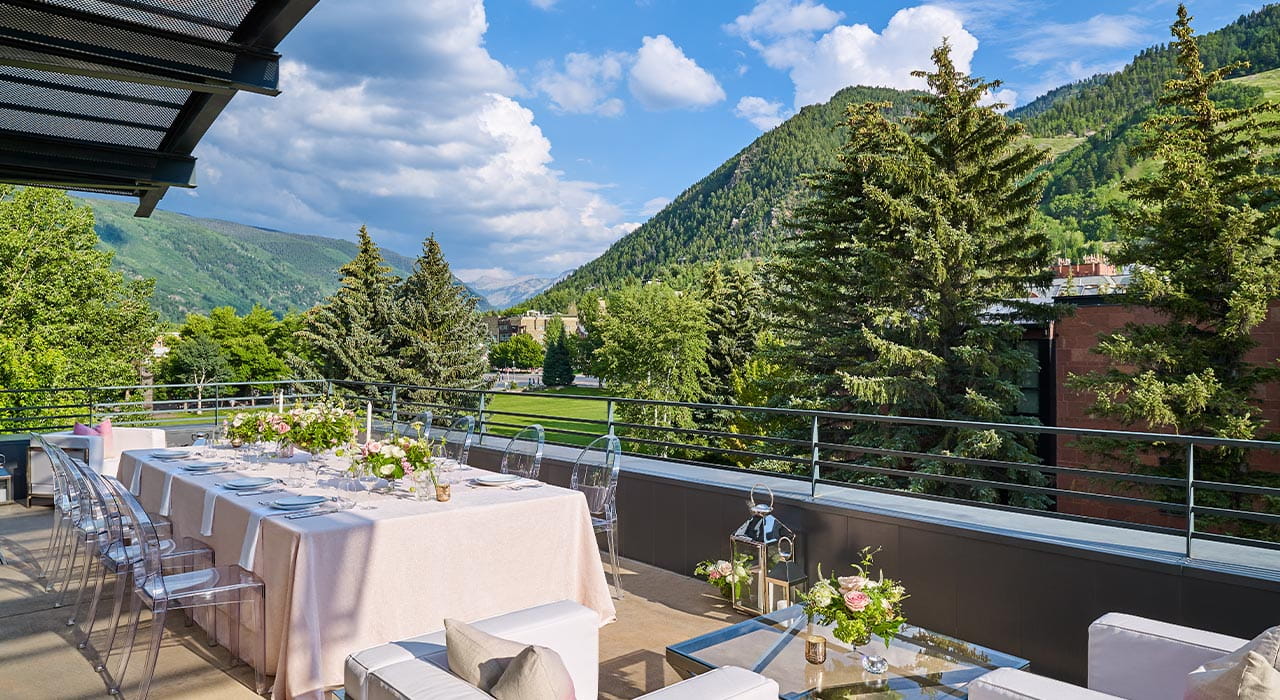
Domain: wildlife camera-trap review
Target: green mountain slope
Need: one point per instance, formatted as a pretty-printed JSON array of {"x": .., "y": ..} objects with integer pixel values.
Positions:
[
  {"x": 202, "y": 263},
  {"x": 1094, "y": 103},
  {"x": 732, "y": 213}
]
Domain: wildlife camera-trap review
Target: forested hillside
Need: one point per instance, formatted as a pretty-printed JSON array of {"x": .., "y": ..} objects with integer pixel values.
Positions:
[
  {"x": 200, "y": 264},
  {"x": 1092, "y": 104},
  {"x": 733, "y": 212}
]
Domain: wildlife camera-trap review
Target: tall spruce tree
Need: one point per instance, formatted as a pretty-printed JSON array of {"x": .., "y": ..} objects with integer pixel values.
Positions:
[
  {"x": 557, "y": 364},
  {"x": 347, "y": 332},
  {"x": 733, "y": 299},
  {"x": 435, "y": 334},
  {"x": 1201, "y": 233},
  {"x": 904, "y": 280}
]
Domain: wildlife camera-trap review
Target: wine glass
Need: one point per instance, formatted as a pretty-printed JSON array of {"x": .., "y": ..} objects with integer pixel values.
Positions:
[{"x": 368, "y": 481}]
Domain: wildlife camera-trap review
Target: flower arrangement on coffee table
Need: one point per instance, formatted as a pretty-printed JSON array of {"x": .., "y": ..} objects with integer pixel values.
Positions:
[
  {"x": 727, "y": 576},
  {"x": 857, "y": 606}
]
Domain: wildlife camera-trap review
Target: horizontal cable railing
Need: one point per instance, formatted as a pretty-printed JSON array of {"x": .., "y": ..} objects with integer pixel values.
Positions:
[{"x": 813, "y": 446}]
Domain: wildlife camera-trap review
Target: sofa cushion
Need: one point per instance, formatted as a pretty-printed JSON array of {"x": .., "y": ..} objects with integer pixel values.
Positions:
[
  {"x": 537, "y": 673},
  {"x": 419, "y": 679},
  {"x": 477, "y": 657},
  {"x": 1252, "y": 672}
]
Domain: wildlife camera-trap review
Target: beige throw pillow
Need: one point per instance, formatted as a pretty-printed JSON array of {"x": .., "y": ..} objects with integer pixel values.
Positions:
[
  {"x": 1252, "y": 672},
  {"x": 537, "y": 673},
  {"x": 477, "y": 657}
]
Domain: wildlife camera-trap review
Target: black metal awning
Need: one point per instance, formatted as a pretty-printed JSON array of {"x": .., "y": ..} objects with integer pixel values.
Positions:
[{"x": 112, "y": 96}]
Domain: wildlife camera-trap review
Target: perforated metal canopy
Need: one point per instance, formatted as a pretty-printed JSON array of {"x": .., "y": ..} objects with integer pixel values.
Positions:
[{"x": 112, "y": 96}]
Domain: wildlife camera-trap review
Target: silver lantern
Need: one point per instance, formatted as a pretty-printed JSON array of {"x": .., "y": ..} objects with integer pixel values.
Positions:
[
  {"x": 786, "y": 579},
  {"x": 758, "y": 545}
]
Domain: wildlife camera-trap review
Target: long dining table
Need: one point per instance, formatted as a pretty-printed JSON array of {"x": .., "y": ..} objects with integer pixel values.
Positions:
[{"x": 391, "y": 568}]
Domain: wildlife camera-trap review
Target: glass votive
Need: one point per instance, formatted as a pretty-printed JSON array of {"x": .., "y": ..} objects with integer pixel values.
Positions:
[{"x": 815, "y": 649}]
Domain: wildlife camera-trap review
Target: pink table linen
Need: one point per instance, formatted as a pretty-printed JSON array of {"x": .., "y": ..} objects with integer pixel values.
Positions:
[{"x": 345, "y": 581}]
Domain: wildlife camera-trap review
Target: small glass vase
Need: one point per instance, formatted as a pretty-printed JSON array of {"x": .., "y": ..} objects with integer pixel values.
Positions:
[
  {"x": 871, "y": 661},
  {"x": 815, "y": 649},
  {"x": 443, "y": 492}
]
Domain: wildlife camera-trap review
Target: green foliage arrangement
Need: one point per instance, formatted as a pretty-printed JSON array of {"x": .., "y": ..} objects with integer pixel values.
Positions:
[
  {"x": 857, "y": 606},
  {"x": 904, "y": 282},
  {"x": 317, "y": 428}
]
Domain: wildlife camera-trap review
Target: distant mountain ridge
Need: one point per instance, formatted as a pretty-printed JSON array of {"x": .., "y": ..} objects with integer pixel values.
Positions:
[
  {"x": 199, "y": 264},
  {"x": 505, "y": 292}
]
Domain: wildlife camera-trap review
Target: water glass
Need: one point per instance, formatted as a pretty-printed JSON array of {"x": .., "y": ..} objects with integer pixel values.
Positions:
[{"x": 368, "y": 482}]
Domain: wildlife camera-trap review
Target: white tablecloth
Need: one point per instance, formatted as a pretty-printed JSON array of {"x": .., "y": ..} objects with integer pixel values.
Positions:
[{"x": 341, "y": 582}]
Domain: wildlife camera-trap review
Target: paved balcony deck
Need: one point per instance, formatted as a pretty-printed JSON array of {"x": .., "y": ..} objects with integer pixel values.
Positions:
[{"x": 40, "y": 660}]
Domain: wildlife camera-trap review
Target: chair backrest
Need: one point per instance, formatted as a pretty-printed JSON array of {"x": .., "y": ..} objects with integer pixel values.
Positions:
[
  {"x": 69, "y": 478},
  {"x": 523, "y": 455},
  {"x": 62, "y": 495},
  {"x": 425, "y": 419},
  {"x": 595, "y": 474},
  {"x": 148, "y": 570},
  {"x": 457, "y": 439}
]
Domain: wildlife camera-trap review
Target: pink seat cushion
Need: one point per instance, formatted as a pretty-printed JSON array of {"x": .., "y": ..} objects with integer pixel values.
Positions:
[{"x": 103, "y": 430}]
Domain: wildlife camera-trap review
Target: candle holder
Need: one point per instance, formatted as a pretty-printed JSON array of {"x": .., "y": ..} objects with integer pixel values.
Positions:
[{"x": 815, "y": 649}]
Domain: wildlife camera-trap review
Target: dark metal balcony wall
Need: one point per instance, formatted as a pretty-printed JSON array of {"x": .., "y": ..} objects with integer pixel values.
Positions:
[
  {"x": 112, "y": 96},
  {"x": 1026, "y": 597}
]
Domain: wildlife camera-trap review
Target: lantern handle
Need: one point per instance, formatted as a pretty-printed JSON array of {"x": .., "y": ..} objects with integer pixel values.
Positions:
[
  {"x": 786, "y": 554},
  {"x": 753, "y": 494}
]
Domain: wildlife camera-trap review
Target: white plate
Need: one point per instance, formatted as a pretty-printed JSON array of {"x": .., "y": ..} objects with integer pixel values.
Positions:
[
  {"x": 249, "y": 482},
  {"x": 496, "y": 479},
  {"x": 169, "y": 454},
  {"x": 297, "y": 502},
  {"x": 202, "y": 466}
]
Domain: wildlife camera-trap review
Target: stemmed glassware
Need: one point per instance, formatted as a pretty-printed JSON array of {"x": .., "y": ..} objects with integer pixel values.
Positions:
[{"x": 367, "y": 481}]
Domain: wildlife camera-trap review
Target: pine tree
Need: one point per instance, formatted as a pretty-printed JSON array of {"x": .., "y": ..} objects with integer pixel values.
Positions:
[
  {"x": 435, "y": 335},
  {"x": 1200, "y": 232},
  {"x": 905, "y": 279},
  {"x": 557, "y": 364},
  {"x": 733, "y": 322},
  {"x": 347, "y": 332}
]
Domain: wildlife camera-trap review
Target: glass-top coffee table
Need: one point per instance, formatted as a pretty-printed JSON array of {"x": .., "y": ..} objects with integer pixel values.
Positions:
[{"x": 922, "y": 664}]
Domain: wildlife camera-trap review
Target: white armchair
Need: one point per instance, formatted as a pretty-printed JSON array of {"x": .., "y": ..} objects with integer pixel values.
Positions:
[
  {"x": 419, "y": 667},
  {"x": 1130, "y": 657}
]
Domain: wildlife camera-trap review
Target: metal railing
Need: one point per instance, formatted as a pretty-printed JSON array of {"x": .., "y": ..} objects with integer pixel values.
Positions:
[{"x": 787, "y": 443}]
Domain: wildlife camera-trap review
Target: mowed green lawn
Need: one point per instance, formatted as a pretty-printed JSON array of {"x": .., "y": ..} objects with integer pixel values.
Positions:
[{"x": 570, "y": 413}]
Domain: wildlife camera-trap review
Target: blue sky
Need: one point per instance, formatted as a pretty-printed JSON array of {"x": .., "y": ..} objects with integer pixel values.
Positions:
[{"x": 530, "y": 134}]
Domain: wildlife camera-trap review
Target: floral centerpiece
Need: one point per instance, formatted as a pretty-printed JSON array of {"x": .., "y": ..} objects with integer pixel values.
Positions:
[
  {"x": 249, "y": 427},
  {"x": 316, "y": 428},
  {"x": 857, "y": 606},
  {"x": 399, "y": 457},
  {"x": 728, "y": 576}
]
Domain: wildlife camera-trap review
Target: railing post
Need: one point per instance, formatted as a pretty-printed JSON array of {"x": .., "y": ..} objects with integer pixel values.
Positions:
[
  {"x": 395, "y": 411},
  {"x": 217, "y": 401},
  {"x": 480, "y": 421},
  {"x": 93, "y": 407},
  {"x": 609, "y": 410},
  {"x": 813, "y": 460},
  {"x": 1191, "y": 495}
]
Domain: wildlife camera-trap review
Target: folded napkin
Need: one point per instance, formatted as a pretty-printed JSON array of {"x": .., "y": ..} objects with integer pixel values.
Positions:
[
  {"x": 164, "y": 493},
  {"x": 206, "y": 523},
  {"x": 135, "y": 481},
  {"x": 250, "y": 546}
]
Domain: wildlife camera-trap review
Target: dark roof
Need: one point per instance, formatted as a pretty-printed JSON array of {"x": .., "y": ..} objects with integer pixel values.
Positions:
[{"x": 113, "y": 95}]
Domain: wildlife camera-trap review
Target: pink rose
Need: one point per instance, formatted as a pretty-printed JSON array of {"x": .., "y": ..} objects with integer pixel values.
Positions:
[
  {"x": 851, "y": 583},
  {"x": 724, "y": 568},
  {"x": 282, "y": 428},
  {"x": 856, "y": 601},
  {"x": 713, "y": 575},
  {"x": 374, "y": 446}
]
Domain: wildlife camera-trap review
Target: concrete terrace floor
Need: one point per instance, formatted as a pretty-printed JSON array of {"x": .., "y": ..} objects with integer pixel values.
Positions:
[{"x": 39, "y": 659}]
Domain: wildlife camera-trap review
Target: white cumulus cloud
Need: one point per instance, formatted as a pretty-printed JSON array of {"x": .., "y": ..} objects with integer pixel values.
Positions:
[
  {"x": 425, "y": 133},
  {"x": 822, "y": 57},
  {"x": 663, "y": 77},
  {"x": 763, "y": 114},
  {"x": 653, "y": 206},
  {"x": 584, "y": 84}
]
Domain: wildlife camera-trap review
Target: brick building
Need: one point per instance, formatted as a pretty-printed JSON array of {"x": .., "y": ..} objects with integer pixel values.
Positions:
[{"x": 530, "y": 323}]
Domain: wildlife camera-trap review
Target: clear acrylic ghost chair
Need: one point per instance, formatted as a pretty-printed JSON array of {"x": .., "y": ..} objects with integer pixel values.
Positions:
[
  {"x": 457, "y": 439},
  {"x": 117, "y": 555},
  {"x": 523, "y": 455},
  {"x": 425, "y": 418},
  {"x": 237, "y": 592},
  {"x": 595, "y": 474},
  {"x": 65, "y": 514},
  {"x": 85, "y": 525}
]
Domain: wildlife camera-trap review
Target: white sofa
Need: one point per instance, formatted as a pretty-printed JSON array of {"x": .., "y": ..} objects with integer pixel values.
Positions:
[
  {"x": 419, "y": 667},
  {"x": 40, "y": 475},
  {"x": 1130, "y": 657}
]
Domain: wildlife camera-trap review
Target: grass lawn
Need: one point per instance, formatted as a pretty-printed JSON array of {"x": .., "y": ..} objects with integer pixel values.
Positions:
[
  {"x": 1057, "y": 145},
  {"x": 567, "y": 409}
]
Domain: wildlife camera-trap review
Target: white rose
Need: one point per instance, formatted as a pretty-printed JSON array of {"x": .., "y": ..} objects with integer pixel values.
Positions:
[{"x": 387, "y": 469}]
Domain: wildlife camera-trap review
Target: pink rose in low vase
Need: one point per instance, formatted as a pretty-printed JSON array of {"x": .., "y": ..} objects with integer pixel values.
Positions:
[
  {"x": 857, "y": 607},
  {"x": 727, "y": 576}
]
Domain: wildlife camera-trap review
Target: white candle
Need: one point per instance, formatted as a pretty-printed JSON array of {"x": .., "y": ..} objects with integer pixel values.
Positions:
[
  {"x": 368, "y": 420},
  {"x": 281, "y": 401}
]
